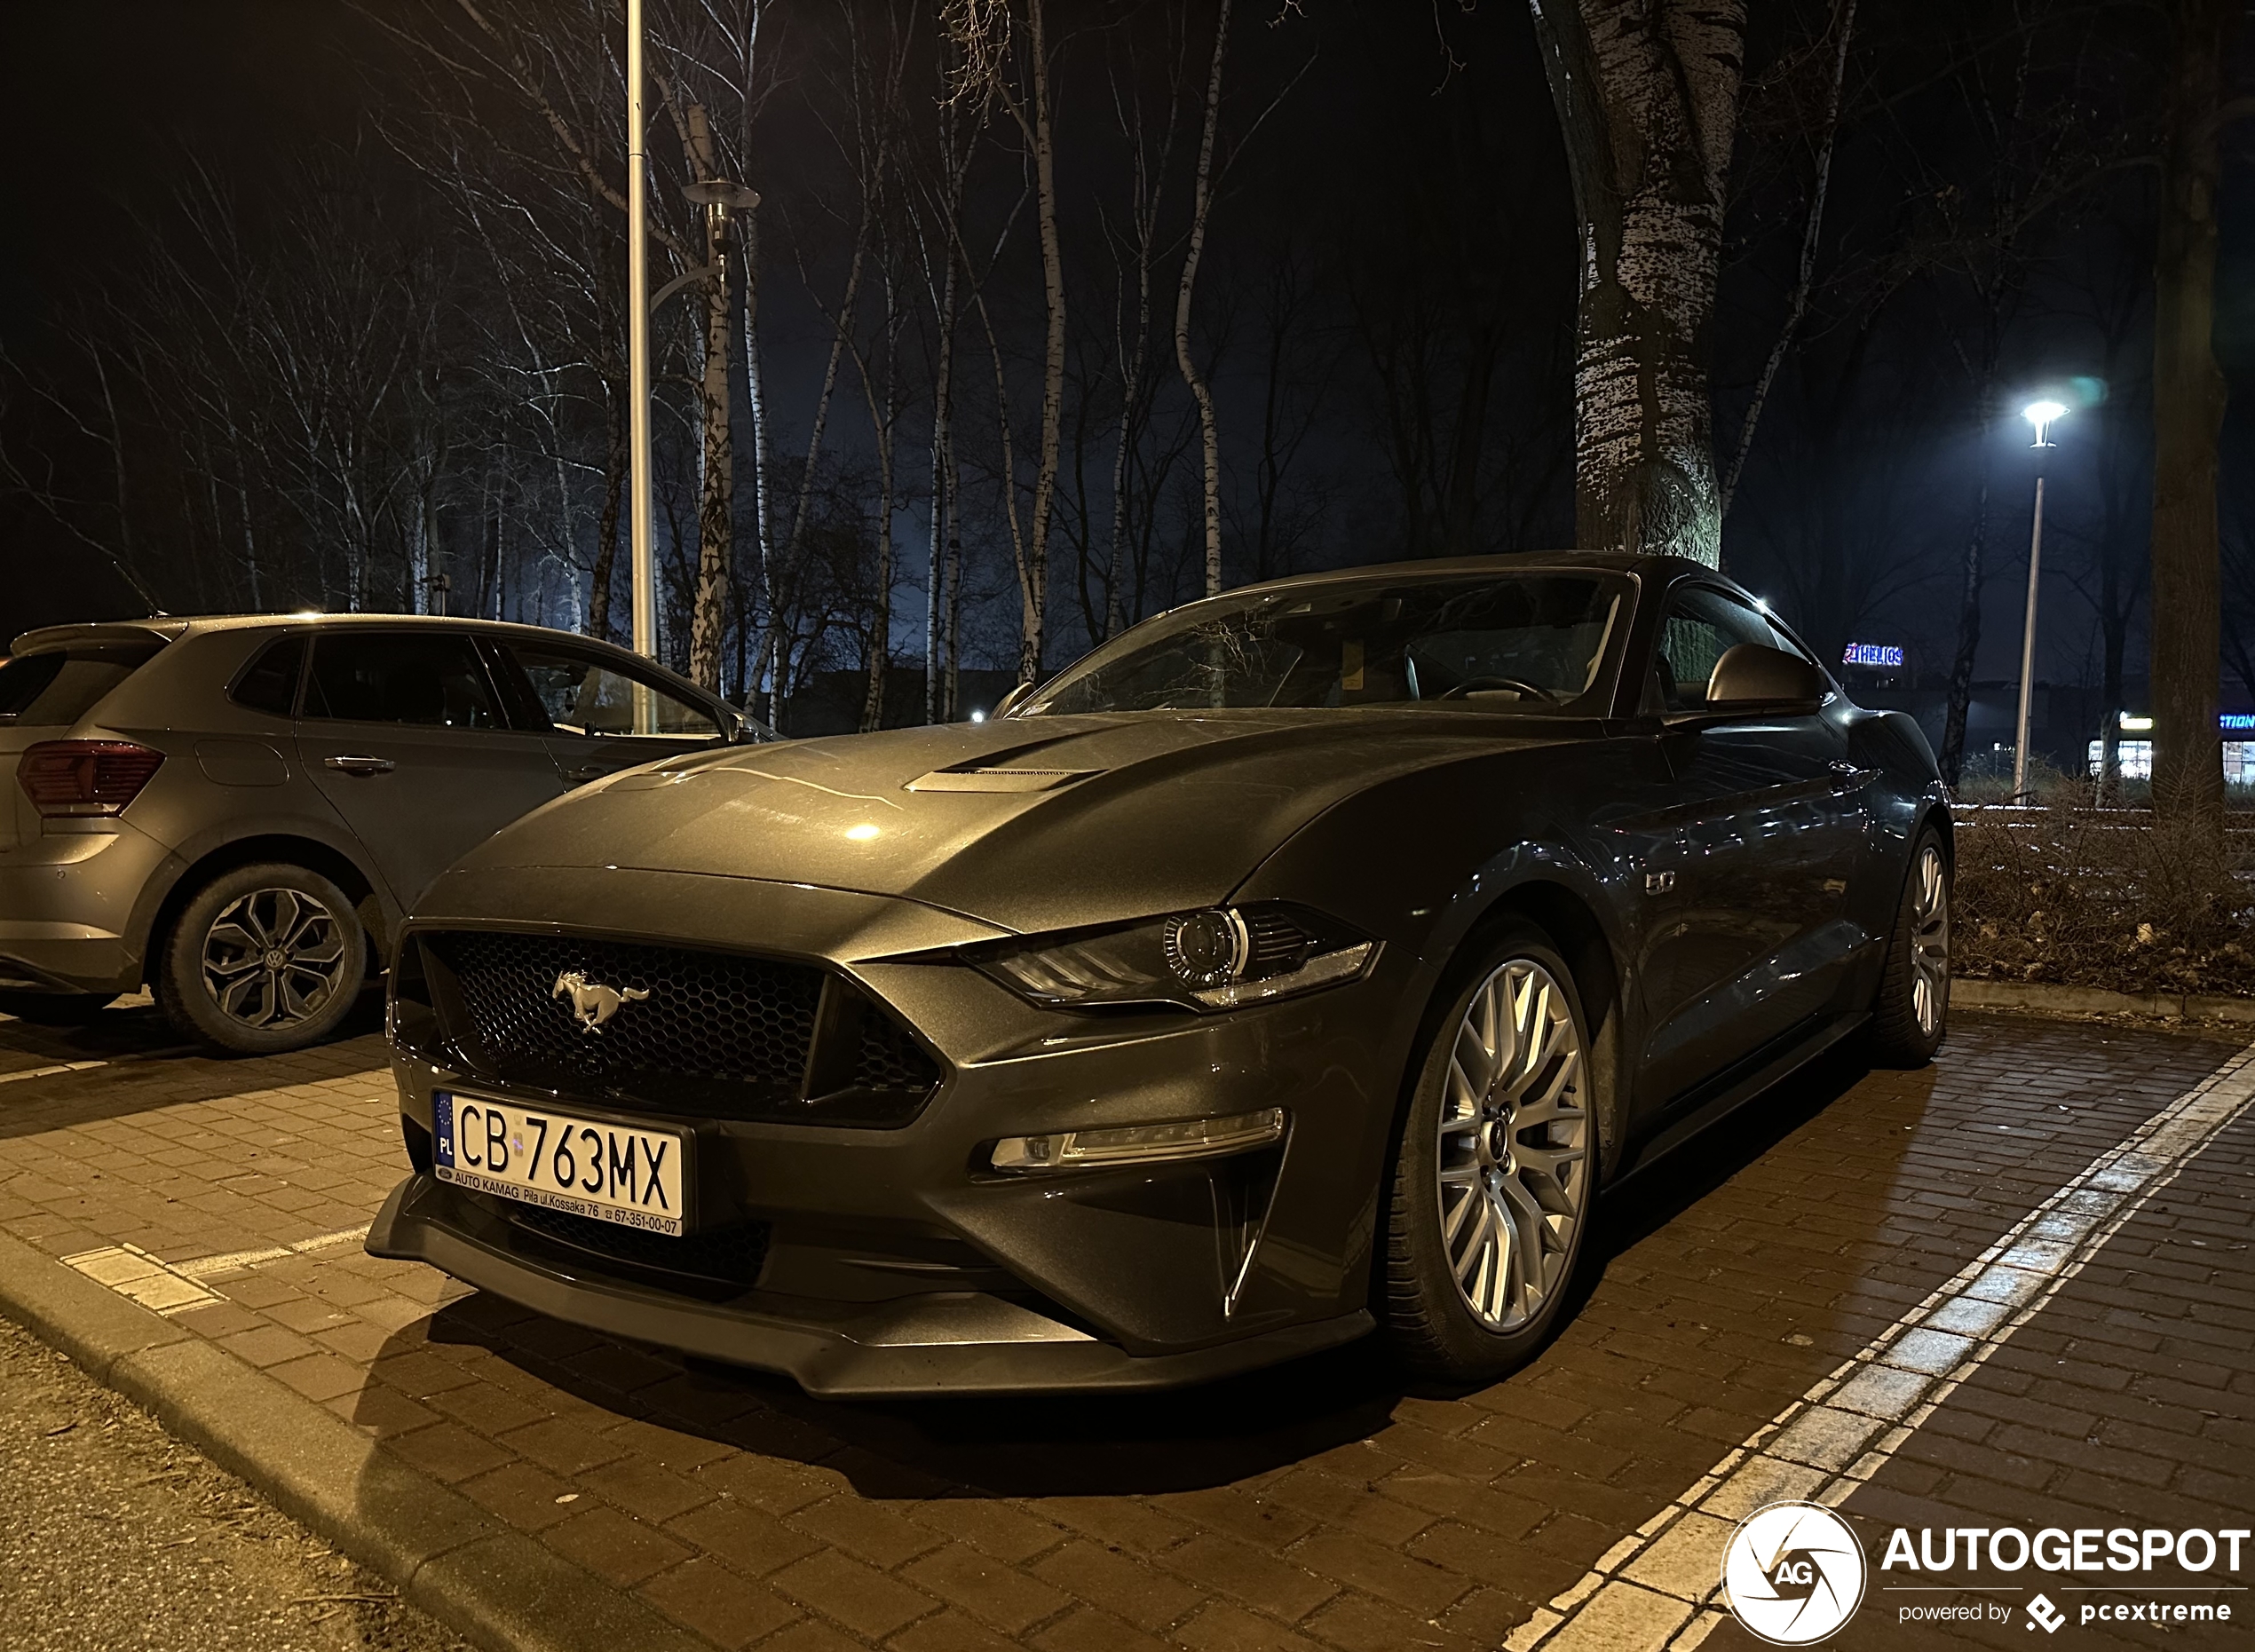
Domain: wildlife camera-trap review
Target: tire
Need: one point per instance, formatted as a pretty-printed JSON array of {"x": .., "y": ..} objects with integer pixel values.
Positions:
[
  {"x": 1538, "y": 1097},
  {"x": 55, "y": 1009},
  {"x": 263, "y": 959},
  {"x": 1911, "y": 1016}
]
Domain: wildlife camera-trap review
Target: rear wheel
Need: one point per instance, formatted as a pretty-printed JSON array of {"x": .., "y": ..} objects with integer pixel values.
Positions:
[
  {"x": 55, "y": 1009},
  {"x": 263, "y": 958},
  {"x": 1911, "y": 1015},
  {"x": 1493, "y": 1177}
]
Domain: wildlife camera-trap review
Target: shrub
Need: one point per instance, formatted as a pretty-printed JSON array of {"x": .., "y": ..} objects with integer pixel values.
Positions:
[{"x": 2104, "y": 898}]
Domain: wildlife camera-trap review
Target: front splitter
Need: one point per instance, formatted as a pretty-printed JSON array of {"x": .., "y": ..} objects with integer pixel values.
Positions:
[{"x": 993, "y": 1347}]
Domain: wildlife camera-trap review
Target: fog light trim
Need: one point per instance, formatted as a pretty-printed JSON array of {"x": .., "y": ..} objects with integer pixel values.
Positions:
[{"x": 1138, "y": 1145}]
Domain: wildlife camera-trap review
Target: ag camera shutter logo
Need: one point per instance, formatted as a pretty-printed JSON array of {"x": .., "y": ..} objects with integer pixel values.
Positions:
[{"x": 1793, "y": 1573}]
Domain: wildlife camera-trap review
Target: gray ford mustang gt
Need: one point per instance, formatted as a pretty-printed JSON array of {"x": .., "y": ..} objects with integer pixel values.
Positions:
[{"x": 1300, "y": 962}]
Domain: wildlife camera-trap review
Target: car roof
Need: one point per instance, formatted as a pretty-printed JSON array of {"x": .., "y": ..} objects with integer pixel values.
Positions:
[
  {"x": 1665, "y": 568},
  {"x": 170, "y": 628}
]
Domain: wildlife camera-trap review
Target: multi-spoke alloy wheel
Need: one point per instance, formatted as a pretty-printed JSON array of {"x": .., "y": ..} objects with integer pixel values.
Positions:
[
  {"x": 1513, "y": 1146},
  {"x": 273, "y": 958},
  {"x": 1930, "y": 939},
  {"x": 262, "y": 957}
]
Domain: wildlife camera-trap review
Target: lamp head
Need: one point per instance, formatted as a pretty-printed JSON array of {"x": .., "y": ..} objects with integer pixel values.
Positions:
[{"x": 2043, "y": 415}]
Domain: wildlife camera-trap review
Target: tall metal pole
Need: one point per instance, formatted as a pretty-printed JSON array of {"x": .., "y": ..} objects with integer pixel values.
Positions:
[
  {"x": 645, "y": 614},
  {"x": 2027, "y": 639}
]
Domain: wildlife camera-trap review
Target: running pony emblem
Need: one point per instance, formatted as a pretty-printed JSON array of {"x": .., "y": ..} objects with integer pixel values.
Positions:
[{"x": 592, "y": 1002}]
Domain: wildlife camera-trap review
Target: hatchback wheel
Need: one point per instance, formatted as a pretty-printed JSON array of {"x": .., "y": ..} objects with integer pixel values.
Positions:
[
  {"x": 1493, "y": 1177},
  {"x": 263, "y": 959},
  {"x": 1911, "y": 1014}
]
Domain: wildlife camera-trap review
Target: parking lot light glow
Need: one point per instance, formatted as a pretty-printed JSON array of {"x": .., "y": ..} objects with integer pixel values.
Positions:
[
  {"x": 1139, "y": 1144},
  {"x": 863, "y": 832},
  {"x": 2043, "y": 415}
]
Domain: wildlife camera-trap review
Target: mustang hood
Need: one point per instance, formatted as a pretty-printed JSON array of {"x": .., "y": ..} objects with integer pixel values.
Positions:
[{"x": 1027, "y": 824}]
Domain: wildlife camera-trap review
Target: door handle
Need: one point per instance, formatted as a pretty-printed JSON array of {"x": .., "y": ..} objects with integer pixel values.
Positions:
[
  {"x": 360, "y": 763},
  {"x": 582, "y": 776},
  {"x": 1846, "y": 774}
]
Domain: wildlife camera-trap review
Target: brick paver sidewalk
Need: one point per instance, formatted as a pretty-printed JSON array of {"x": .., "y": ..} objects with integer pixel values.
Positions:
[{"x": 1316, "y": 1505}]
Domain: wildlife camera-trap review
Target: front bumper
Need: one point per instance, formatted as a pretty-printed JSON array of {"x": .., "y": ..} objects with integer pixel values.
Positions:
[
  {"x": 893, "y": 1260},
  {"x": 966, "y": 1342}
]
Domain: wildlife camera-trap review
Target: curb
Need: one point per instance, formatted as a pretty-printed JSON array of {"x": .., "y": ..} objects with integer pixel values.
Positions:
[
  {"x": 2087, "y": 1001},
  {"x": 485, "y": 1580}
]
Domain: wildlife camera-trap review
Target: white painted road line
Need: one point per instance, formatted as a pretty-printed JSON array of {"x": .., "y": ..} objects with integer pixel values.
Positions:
[
  {"x": 174, "y": 1287},
  {"x": 204, "y": 1267},
  {"x": 132, "y": 1272},
  {"x": 1661, "y": 1586},
  {"x": 49, "y": 1072}
]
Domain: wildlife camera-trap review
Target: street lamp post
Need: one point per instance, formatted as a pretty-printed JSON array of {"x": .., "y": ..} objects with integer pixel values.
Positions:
[
  {"x": 644, "y": 566},
  {"x": 2043, "y": 415}
]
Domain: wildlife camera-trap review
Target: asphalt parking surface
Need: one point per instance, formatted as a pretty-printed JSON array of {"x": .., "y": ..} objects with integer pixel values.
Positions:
[{"x": 1320, "y": 1505}]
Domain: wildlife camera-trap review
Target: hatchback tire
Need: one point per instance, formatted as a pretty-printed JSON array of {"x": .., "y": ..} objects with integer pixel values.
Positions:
[
  {"x": 1910, "y": 1016},
  {"x": 263, "y": 958},
  {"x": 1495, "y": 1174}
]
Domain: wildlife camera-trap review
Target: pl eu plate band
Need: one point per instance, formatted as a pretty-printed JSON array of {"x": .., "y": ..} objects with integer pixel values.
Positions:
[{"x": 1661, "y": 1586}]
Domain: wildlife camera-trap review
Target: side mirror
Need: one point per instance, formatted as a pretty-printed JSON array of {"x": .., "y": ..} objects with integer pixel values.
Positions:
[
  {"x": 1750, "y": 674},
  {"x": 1011, "y": 701}
]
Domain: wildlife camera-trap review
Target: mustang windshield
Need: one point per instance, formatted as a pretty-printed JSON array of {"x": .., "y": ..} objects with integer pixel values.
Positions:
[{"x": 1527, "y": 641}]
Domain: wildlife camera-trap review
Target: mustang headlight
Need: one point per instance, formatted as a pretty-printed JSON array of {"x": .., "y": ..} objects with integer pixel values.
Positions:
[{"x": 1215, "y": 959}]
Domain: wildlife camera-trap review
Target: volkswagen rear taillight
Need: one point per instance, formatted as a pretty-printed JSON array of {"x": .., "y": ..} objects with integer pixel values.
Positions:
[{"x": 85, "y": 776}]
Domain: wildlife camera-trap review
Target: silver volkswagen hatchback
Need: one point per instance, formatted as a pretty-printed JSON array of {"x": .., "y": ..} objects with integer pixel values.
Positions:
[{"x": 238, "y": 812}]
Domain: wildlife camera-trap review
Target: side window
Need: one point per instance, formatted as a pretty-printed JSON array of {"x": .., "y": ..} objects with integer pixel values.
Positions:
[
  {"x": 433, "y": 679},
  {"x": 1701, "y": 626},
  {"x": 582, "y": 695},
  {"x": 270, "y": 683}
]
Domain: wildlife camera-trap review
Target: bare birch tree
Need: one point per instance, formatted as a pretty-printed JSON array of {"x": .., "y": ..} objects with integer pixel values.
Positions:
[
  {"x": 985, "y": 35},
  {"x": 1647, "y": 95},
  {"x": 1804, "y": 271},
  {"x": 1209, "y": 429}
]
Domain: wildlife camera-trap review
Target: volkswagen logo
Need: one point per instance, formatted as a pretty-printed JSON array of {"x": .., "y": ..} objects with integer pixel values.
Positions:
[
  {"x": 592, "y": 1002},
  {"x": 1793, "y": 1573}
]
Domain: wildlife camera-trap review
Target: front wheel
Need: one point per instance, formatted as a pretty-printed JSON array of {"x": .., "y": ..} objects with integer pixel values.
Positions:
[
  {"x": 1911, "y": 1014},
  {"x": 1494, "y": 1175},
  {"x": 263, "y": 958}
]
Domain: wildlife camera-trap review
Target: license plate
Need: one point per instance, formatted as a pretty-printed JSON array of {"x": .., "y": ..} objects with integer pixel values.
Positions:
[{"x": 610, "y": 1172}]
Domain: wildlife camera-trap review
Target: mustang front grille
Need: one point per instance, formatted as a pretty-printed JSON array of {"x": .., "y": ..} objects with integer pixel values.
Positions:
[{"x": 664, "y": 1029}]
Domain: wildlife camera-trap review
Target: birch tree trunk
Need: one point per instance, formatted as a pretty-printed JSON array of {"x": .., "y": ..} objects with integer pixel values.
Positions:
[
  {"x": 943, "y": 506},
  {"x": 755, "y": 389},
  {"x": 1201, "y": 202},
  {"x": 716, "y": 509},
  {"x": 2188, "y": 395},
  {"x": 1034, "y": 588},
  {"x": 1647, "y": 95}
]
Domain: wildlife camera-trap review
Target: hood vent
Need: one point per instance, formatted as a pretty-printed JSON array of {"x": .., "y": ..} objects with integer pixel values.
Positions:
[{"x": 999, "y": 780}]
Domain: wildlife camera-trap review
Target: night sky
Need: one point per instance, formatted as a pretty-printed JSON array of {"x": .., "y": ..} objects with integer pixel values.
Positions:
[{"x": 106, "y": 101}]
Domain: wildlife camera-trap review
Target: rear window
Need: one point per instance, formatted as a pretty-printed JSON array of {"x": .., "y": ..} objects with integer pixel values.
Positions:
[{"x": 57, "y": 686}]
